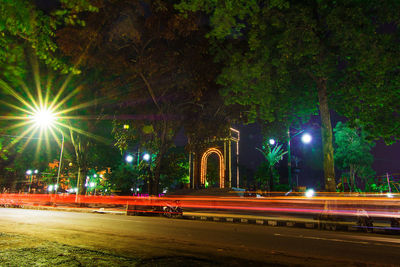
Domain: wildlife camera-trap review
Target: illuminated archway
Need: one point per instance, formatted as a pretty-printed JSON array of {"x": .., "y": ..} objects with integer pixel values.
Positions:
[{"x": 203, "y": 168}]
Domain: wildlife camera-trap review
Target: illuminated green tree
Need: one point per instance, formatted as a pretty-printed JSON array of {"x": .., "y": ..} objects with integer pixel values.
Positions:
[
  {"x": 272, "y": 157},
  {"x": 353, "y": 153}
]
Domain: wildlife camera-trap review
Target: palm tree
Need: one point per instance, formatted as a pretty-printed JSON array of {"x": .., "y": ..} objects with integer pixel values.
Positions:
[{"x": 272, "y": 156}]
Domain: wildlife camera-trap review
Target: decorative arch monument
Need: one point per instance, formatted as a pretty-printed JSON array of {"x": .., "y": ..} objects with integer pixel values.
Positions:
[{"x": 227, "y": 151}]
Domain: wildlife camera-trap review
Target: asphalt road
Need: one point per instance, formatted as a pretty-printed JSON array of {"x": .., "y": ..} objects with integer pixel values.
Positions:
[{"x": 207, "y": 243}]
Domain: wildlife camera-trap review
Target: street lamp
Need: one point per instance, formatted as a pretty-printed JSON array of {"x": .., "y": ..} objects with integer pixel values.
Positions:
[
  {"x": 306, "y": 139},
  {"x": 129, "y": 158},
  {"x": 310, "y": 193},
  {"x": 271, "y": 142},
  {"x": 45, "y": 118},
  {"x": 30, "y": 173},
  {"x": 146, "y": 157}
]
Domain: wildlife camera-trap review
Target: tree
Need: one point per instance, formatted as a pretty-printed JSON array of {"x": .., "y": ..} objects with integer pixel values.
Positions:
[
  {"x": 126, "y": 177},
  {"x": 353, "y": 153},
  {"x": 329, "y": 52},
  {"x": 152, "y": 57},
  {"x": 175, "y": 169},
  {"x": 25, "y": 24},
  {"x": 272, "y": 157},
  {"x": 27, "y": 30}
]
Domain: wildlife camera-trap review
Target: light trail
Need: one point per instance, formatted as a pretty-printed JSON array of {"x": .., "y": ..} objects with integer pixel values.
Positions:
[{"x": 377, "y": 207}]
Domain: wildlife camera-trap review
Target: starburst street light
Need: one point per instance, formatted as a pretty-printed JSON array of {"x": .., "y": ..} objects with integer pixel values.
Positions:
[
  {"x": 45, "y": 118},
  {"x": 44, "y": 106}
]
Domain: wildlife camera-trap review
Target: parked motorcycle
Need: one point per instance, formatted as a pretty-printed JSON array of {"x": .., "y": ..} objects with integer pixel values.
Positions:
[{"x": 172, "y": 209}]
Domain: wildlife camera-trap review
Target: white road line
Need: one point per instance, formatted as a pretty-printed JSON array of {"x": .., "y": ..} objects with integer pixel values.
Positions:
[
  {"x": 323, "y": 238},
  {"x": 371, "y": 240},
  {"x": 112, "y": 219},
  {"x": 336, "y": 240}
]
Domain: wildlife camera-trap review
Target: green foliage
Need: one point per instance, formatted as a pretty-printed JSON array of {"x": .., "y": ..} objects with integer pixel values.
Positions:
[
  {"x": 267, "y": 173},
  {"x": 381, "y": 188},
  {"x": 127, "y": 176},
  {"x": 353, "y": 153},
  {"x": 274, "y": 155},
  {"x": 17, "y": 159},
  {"x": 24, "y": 26},
  {"x": 212, "y": 175},
  {"x": 263, "y": 175},
  {"x": 49, "y": 176},
  {"x": 173, "y": 173},
  {"x": 155, "y": 60},
  {"x": 283, "y": 58},
  {"x": 174, "y": 169}
]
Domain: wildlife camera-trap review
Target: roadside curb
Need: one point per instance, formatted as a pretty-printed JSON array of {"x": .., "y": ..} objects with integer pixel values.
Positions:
[{"x": 301, "y": 223}]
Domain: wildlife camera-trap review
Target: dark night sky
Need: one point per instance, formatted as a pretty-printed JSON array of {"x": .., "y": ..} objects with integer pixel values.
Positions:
[{"x": 387, "y": 158}]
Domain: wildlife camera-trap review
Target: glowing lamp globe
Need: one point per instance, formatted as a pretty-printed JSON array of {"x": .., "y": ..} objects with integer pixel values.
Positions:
[
  {"x": 43, "y": 118},
  {"x": 310, "y": 193},
  {"x": 129, "y": 159},
  {"x": 146, "y": 157},
  {"x": 271, "y": 142},
  {"x": 306, "y": 138}
]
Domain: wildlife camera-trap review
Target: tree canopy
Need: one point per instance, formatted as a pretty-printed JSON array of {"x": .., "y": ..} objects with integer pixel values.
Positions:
[
  {"x": 334, "y": 55},
  {"x": 156, "y": 61},
  {"x": 353, "y": 154},
  {"x": 26, "y": 25}
]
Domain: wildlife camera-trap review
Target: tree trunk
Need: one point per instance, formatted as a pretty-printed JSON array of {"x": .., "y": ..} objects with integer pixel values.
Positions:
[
  {"x": 271, "y": 181},
  {"x": 80, "y": 146},
  {"x": 80, "y": 184},
  {"x": 327, "y": 139},
  {"x": 162, "y": 151},
  {"x": 157, "y": 170}
]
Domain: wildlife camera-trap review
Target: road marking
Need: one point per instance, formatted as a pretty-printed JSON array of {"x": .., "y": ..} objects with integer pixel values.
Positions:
[
  {"x": 336, "y": 240},
  {"x": 380, "y": 239},
  {"x": 369, "y": 239},
  {"x": 323, "y": 238},
  {"x": 13, "y": 215},
  {"x": 112, "y": 219}
]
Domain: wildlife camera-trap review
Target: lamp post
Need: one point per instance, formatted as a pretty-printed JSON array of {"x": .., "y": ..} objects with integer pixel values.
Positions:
[
  {"x": 147, "y": 157},
  {"x": 59, "y": 164},
  {"x": 305, "y": 138},
  {"x": 45, "y": 118},
  {"x": 29, "y": 172}
]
